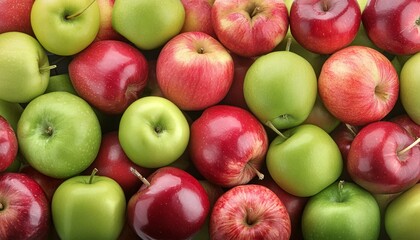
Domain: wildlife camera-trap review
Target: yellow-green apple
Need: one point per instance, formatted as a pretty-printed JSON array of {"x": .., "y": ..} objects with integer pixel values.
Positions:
[
  {"x": 198, "y": 16},
  {"x": 304, "y": 160},
  {"x": 8, "y": 144},
  {"x": 24, "y": 208},
  {"x": 384, "y": 158},
  {"x": 324, "y": 26},
  {"x": 11, "y": 112},
  {"x": 174, "y": 194},
  {"x": 194, "y": 71},
  {"x": 228, "y": 145},
  {"x": 250, "y": 28},
  {"x": 280, "y": 88},
  {"x": 358, "y": 85},
  {"x": 393, "y": 25},
  {"x": 343, "y": 210},
  {"x": 409, "y": 82},
  {"x": 148, "y": 24},
  {"x": 24, "y": 67},
  {"x": 106, "y": 31},
  {"x": 153, "y": 132},
  {"x": 16, "y": 16},
  {"x": 109, "y": 75},
  {"x": 60, "y": 82},
  {"x": 249, "y": 211},
  {"x": 59, "y": 134}
]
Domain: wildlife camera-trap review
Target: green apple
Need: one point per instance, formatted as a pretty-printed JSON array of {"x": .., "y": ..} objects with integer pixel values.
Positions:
[
  {"x": 341, "y": 211},
  {"x": 148, "y": 24},
  {"x": 321, "y": 117},
  {"x": 304, "y": 160},
  {"x": 24, "y": 67},
  {"x": 59, "y": 134},
  {"x": 60, "y": 82},
  {"x": 11, "y": 111},
  {"x": 402, "y": 215},
  {"x": 409, "y": 86},
  {"x": 153, "y": 132},
  {"x": 65, "y": 27},
  {"x": 280, "y": 88},
  {"x": 88, "y": 207}
]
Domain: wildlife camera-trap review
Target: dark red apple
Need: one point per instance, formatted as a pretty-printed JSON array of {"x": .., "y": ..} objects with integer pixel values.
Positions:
[
  {"x": 408, "y": 124},
  {"x": 8, "y": 144}
]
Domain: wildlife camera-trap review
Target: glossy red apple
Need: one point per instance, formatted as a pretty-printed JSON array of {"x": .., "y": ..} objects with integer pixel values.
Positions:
[
  {"x": 198, "y": 16},
  {"x": 16, "y": 16},
  {"x": 8, "y": 144},
  {"x": 172, "y": 204},
  {"x": 228, "y": 145},
  {"x": 109, "y": 74},
  {"x": 393, "y": 25},
  {"x": 324, "y": 26},
  {"x": 384, "y": 158},
  {"x": 408, "y": 124},
  {"x": 24, "y": 208}
]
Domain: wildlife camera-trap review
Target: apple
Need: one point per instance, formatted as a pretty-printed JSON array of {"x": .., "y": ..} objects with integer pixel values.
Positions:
[
  {"x": 24, "y": 67},
  {"x": 249, "y": 212},
  {"x": 250, "y": 28},
  {"x": 304, "y": 160},
  {"x": 321, "y": 117},
  {"x": 174, "y": 194},
  {"x": 343, "y": 210},
  {"x": 8, "y": 144},
  {"x": 11, "y": 112},
  {"x": 109, "y": 74},
  {"x": 408, "y": 124},
  {"x": 324, "y": 26},
  {"x": 409, "y": 82},
  {"x": 106, "y": 31},
  {"x": 194, "y": 71},
  {"x": 60, "y": 82},
  {"x": 280, "y": 88},
  {"x": 393, "y": 25},
  {"x": 75, "y": 23},
  {"x": 153, "y": 132},
  {"x": 198, "y": 16},
  {"x": 59, "y": 134},
  {"x": 17, "y": 13},
  {"x": 148, "y": 24},
  {"x": 24, "y": 208},
  {"x": 384, "y": 158},
  {"x": 358, "y": 85},
  {"x": 88, "y": 207},
  {"x": 228, "y": 145}
]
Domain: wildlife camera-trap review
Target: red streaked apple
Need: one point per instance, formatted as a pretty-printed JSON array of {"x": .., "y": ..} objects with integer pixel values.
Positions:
[
  {"x": 16, "y": 16},
  {"x": 106, "y": 31},
  {"x": 358, "y": 85},
  {"x": 250, "y": 28},
  {"x": 8, "y": 144},
  {"x": 194, "y": 71},
  {"x": 198, "y": 16}
]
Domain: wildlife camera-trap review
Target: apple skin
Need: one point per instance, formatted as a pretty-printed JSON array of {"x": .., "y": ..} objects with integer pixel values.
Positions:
[
  {"x": 249, "y": 212},
  {"x": 25, "y": 212},
  {"x": 227, "y": 145},
  {"x": 370, "y": 73},
  {"x": 194, "y": 71},
  {"x": 321, "y": 117},
  {"x": 198, "y": 16},
  {"x": 408, "y": 124},
  {"x": 8, "y": 144},
  {"x": 106, "y": 31},
  {"x": 109, "y": 74},
  {"x": 324, "y": 26},
  {"x": 172, "y": 193},
  {"x": 17, "y": 13},
  {"x": 374, "y": 160},
  {"x": 409, "y": 82},
  {"x": 250, "y": 28},
  {"x": 393, "y": 25}
]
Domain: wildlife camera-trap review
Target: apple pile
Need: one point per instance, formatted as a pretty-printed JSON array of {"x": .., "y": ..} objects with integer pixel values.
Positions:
[{"x": 209, "y": 119}]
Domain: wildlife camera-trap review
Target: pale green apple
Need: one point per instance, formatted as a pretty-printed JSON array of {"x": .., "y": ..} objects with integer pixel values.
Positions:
[
  {"x": 24, "y": 67},
  {"x": 60, "y": 82},
  {"x": 11, "y": 111},
  {"x": 409, "y": 87},
  {"x": 148, "y": 24}
]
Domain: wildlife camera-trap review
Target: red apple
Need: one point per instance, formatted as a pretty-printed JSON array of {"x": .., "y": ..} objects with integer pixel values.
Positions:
[
  {"x": 194, "y": 71},
  {"x": 172, "y": 204},
  {"x": 24, "y": 208},
  {"x": 249, "y": 212},
  {"x": 106, "y": 31},
  {"x": 16, "y": 16},
  {"x": 228, "y": 145},
  {"x": 250, "y": 27},
  {"x": 198, "y": 16},
  {"x": 109, "y": 74},
  {"x": 358, "y": 85},
  {"x": 408, "y": 124},
  {"x": 8, "y": 144},
  {"x": 384, "y": 158},
  {"x": 393, "y": 25},
  {"x": 324, "y": 26}
]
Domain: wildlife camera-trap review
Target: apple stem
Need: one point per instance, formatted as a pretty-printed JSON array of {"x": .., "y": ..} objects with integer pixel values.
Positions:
[
  {"x": 138, "y": 175},
  {"x": 272, "y": 127},
  {"x": 255, "y": 11},
  {"x": 80, "y": 12},
  {"x": 352, "y": 129},
  {"x": 340, "y": 190},
  {"x": 409, "y": 147},
  {"x": 325, "y": 5},
  {"x": 288, "y": 44},
  {"x": 94, "y": 171},
  {"x": 260, "y": 175},
  {"x": 201, "y": 50},
  {"x": 47, "y": 68}
]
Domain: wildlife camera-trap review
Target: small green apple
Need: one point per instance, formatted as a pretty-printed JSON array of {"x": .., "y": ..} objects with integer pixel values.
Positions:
[
  {"x": 153, "y": 132},
  {"x": 321, "y": 117},
  {"x": 148, "y": 24},
  {"x": 409, "y": 87},
  {"x": 60, "y": 82},
  {"x": 11, "y": 111},
  {"x": 24, "y": 67}
]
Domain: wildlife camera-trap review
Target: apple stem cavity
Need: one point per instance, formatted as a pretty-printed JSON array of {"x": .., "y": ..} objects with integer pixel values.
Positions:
[
  {"x": 255, "y": 11},
  {"x": 80, "y": 12},
  {"x": 139, "y": 176},
  {"x": 259, "y": 174},
  {"x": 1, "y": 206},
  {"x": 417, "y": 141},
  {"x": 47, "y": 68},
  {"x": 94, "y": 171},
  {"x": 200, "y": 50},
  {"x": 325, "y": 5},
  {"x": 352, "y": 129},
  {"x": 272, "y": 127}
]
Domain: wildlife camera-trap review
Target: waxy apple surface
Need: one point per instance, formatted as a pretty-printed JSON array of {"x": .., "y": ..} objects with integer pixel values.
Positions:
[
  {"x": 8, "y": 144},
  {"x": 17, "y": 13},
  {"x": 409, "y": 86}
]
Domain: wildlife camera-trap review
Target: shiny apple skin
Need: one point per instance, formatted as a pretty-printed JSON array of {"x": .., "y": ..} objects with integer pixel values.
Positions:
[
  {"x": 174, "y": 206},
  {"x": 109, "y": 74},
  {"x": 408, "y": 124},
  {"x": 373, "y": 161},
  {"x": 393, "y": 25},
  {"x": 8, "y": 144}
]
